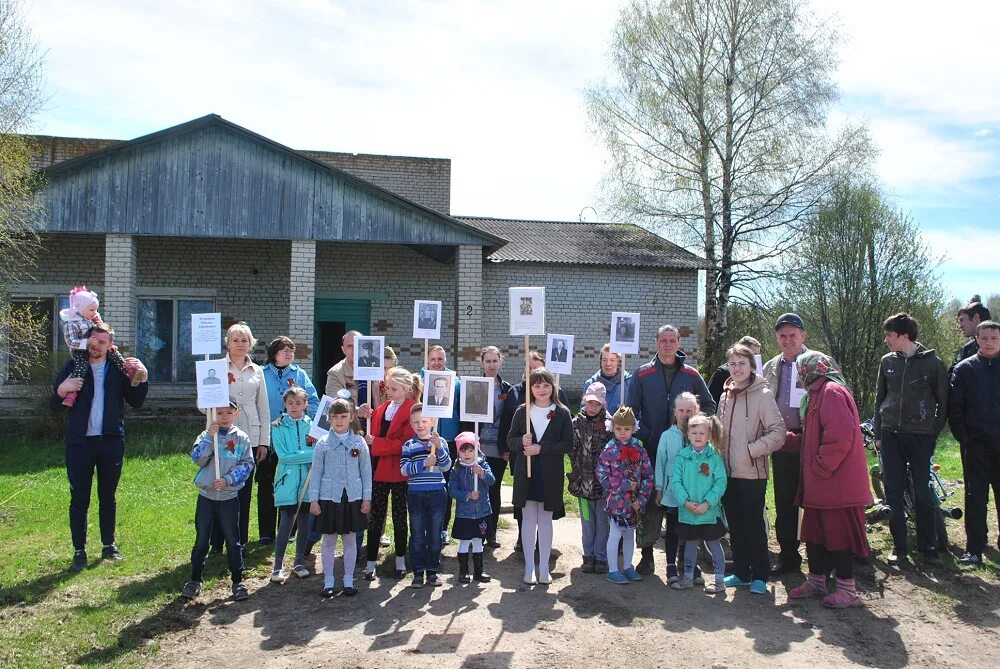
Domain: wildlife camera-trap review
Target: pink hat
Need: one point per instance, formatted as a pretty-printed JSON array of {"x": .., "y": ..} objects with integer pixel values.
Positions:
[
  {"x": 596, "y": 391},
  {"x": 466, "y": 438}
]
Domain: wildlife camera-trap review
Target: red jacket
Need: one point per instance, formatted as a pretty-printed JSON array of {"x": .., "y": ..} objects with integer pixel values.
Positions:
[
  {"x": 389, "y": 448},
  {"x": 834, "y": 471}
]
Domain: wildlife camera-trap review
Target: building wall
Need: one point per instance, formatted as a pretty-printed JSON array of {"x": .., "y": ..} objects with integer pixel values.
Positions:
[{"x": 579, "y": 300}]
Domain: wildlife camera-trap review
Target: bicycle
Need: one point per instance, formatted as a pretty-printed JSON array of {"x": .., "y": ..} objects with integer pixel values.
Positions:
[{"x": 879, "y": 511}]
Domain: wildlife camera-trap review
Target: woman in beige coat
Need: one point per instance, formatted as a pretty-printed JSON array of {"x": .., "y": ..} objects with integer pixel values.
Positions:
[{"x": 754, "y": 429}]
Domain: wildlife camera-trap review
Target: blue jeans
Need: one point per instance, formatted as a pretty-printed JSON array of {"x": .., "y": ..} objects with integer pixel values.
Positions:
[
  {"x": 225, "y": 516},
  {"x": 915, "y": 450},
  {"x": 594, "y": 523},
  {"x": 426, "y": 509}
]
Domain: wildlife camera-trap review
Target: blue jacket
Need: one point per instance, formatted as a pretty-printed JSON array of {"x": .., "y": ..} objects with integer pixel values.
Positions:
[
  {"x": 699, "y": 477},
  {"x": 278, "y": 381},
  {"x": 612, "y": 385},
  {"x": 235, "y": 462},
  {"x": 295, "y": 456},
  {"x": 653, "y": 402},
  {"x": 460, "y": 486},
  {"x": 671, "y": 443},
  {"x": 341, "y": 464},
  {"x": 117, "y": 390}
]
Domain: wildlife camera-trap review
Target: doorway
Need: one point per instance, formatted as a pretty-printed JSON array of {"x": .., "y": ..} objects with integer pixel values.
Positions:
[{"x": 334, "y": 317}]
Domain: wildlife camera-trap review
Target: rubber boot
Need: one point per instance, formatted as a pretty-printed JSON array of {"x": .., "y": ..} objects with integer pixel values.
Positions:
[
  {"x": 463, "y": 568},
  {"x": 477, "y": 563}
]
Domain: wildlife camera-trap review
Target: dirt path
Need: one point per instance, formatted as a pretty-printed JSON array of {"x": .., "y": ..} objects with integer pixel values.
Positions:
[{"x": 582, "y": 620}]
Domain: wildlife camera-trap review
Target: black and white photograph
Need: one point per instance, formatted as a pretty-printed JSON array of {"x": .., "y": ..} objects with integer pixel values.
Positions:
[
  {"x": 321, "y": 426},
  {"x": 212, "y": 392},
  {"x": 477, "y": 399},
  {"x": 439, "y": 394},
  {"x": 559, "y": 353},
  {"x": 426, "y": 319},
  {"x": 369, "y": 361},
  {"x": 625, "y": 333},
  {"x": 527, "y": 311}
]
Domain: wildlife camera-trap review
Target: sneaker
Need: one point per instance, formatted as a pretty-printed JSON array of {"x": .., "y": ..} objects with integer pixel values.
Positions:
[
  {"x": 682, "y": 584},
  {"x": 841, "y": 600},
  {"x": 715, "y": 587},
  {"x": 278, "y": 576},
  {"x": 70, "y": 399},
  {"x": 384, "y": 541},
  {"x": 898, "y": 560},
  {"x": 111, "y": 553},
  {"x": 544, "y": 578},
  {"x": 734, "y": 581},
  {"x": 350, "y": 591},
  {"x": 698, "y": 580},
  {"x": 418, "y": 580},
  {"x": 529, "y": 578},
  {"x": 758, "y": 587},
  {"x": 327, "y": 593},
  {"x": 79, "y": 562},
  {"x": 618, "y": 578},
  {"x": 432, "y": 579},
  {"x": 370, "y": 575},
  {"x": 807, "y": 589},
  {"x": 240, "y": 592},
  {"x": 672, "y": 576},
  {"x": 300, "y": 571},
  {"x": 588, "y": 565},
  {"x": 191, "y": 589},
  {"x": 631, "y": 574},
  {"x": 970, "y": 559},
  {"x": 600, "y": 567}
]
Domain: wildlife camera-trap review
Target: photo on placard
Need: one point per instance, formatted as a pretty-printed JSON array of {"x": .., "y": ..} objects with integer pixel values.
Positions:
[
  {"x": 321, "y": 425},
  {"x": 426, "y": 319},
  {"x": 439, "y": 394},
  {"x": 527, "y": 311},
  {"x": 212, "y": 383},
  {"x": 559, "y": 353},
  {"x": 625, "y": 333},
  {"x": 477, "y": 399},
  {"x": 369, "y": 363}
]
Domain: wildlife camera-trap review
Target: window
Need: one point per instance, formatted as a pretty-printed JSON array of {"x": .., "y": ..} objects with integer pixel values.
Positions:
[
  {"x": 163, "y": 336},
  {"x": 54, "y": 349}
]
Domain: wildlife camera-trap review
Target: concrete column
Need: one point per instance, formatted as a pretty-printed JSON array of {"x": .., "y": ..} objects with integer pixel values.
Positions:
[
  {"x": 118, "y": 302},
  {"x": 302, "y": 304},
  {"x": 468, "y": 309}
]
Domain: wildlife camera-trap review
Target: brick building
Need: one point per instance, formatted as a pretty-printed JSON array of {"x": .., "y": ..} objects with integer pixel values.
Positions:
[{"x": 208, "y": 216}]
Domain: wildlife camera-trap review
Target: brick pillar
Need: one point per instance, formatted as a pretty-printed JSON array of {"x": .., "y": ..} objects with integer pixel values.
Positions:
[
  {"x": 468, "y": 309},
  {"x": 302, "y": 304},
  {"x": 118, "y": 302}
]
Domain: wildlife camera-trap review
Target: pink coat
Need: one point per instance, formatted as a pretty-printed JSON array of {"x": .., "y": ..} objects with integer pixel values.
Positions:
[{"x": 834, "y": 471}]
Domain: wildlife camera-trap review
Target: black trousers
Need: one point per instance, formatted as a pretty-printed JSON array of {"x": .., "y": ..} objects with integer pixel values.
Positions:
[
  {"x": 913, "y": 452},
  {"x": 823, "y": 561},
  {"x": 267, "y": 514},
  {"x": 744, "y": 505},
  {"x": 244, "y": 496},
  {"x": 785, "y": 468},
  {"x": 498, "y": 466},
  {"x": 982, "y": 471},
  {"x": 105, "y": 455},
  {"x": 453, "y": 452},
  {"x": 210, "y": 516},
  {"x": 380, "y": 508}
]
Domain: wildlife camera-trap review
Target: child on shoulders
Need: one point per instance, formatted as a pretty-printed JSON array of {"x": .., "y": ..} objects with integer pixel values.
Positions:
[{"x": 472, "y": 508}]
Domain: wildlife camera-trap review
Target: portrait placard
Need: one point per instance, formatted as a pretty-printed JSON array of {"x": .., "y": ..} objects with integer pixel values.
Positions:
[
  {"x": 527, "y": 311},
  {"x": 321, "y": 423},
  {"x": 559, "y": 353},
  {"x": 439, "y": 394},
  {"x": 624, "y": 333},
  {"x": 477, "y": 399},
  {"x": 758, "y": 363},
  {"x": 212, "y": 378},
  {"x": 369, "y": 358},
  {"x": 426, "y": 319},
  {"x": 206, "y": 334}
]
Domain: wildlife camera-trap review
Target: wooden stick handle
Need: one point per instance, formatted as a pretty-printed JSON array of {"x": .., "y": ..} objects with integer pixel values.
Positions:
[
  {"x": 527, "y": 395},
  {"x": 623, "y": 380},
  {"x": 215, "y": 445},
  {"x": 475, "y": 479}
]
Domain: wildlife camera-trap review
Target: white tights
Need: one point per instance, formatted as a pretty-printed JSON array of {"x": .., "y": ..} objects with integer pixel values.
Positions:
[
  {"x": 464, "y": 545},
  {"x": 534, "y": 516},
  {"x": 329, "y": 553},
  {"x": 627, "y": 536}
]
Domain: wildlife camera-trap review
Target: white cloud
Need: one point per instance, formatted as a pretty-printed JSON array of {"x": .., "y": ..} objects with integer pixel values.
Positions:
[{"x": 912, "y": 156}]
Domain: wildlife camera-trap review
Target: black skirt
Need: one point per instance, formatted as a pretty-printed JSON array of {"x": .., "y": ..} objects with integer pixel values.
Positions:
[
  {"x": 341, "y": 517},
  {"x": 470, "y": 528},
  {"x": 714, "y": 532}
]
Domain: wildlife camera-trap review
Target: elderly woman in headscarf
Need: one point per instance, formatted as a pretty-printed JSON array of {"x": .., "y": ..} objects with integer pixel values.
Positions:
[{"x": 834, "y": 487}]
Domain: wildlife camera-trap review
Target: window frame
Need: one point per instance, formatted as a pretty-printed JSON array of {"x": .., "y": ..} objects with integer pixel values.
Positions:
[{"x": 174, "y": 298}]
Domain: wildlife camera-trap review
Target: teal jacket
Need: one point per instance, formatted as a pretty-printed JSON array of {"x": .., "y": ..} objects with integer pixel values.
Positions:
[
  {"x": 671, "y": 443},
  {"x": 288, "y": 437},
  {"x": 699, "y": 477}
]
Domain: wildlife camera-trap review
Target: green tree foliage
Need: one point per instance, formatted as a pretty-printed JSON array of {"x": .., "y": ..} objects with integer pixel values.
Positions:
[{"x": 857, "y": 262}]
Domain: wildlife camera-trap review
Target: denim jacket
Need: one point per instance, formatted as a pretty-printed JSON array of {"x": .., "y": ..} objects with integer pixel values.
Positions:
[
  {"x": 339, "y": 464},
  {"x": 460, "y": 486}
]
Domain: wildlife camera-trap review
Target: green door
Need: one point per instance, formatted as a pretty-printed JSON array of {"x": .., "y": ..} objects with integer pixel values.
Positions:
[{"x": 334, "y": 317}]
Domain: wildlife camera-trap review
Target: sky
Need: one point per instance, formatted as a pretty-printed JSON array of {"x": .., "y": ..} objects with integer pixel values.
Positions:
[{"x": 499, "y": 88}]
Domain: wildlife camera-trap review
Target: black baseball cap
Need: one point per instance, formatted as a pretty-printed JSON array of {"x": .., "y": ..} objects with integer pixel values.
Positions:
[{"x": 790, "y": 319}]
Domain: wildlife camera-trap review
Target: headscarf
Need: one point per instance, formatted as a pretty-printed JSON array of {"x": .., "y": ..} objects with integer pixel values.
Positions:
[{"x": 813, "y": 365}]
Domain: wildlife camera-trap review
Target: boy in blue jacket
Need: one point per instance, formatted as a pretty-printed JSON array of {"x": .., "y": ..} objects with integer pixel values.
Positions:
[
  {"x": 217, "y": 501},
  {"x": 472, "y": 505}
]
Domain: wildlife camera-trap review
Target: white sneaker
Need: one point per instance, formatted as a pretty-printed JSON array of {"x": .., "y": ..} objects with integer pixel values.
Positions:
[
  {"x": 300, "y": 571},
  {"x": 544, "y": 578},
  {"x": 529, "y": 577},
  {"x": 384, "y": 541},
  {"x": 278, "y": 576}
]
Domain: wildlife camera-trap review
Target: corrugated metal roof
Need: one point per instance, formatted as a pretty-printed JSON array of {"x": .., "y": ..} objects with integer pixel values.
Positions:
[{"x": 584, "y": 244}]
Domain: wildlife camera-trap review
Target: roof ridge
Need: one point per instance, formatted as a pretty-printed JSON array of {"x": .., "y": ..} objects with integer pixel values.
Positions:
[{"x": 536, "y": 220}]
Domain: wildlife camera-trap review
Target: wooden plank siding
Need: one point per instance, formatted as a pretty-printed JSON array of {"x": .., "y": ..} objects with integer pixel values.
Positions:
[{"x": 211, "y": 178}]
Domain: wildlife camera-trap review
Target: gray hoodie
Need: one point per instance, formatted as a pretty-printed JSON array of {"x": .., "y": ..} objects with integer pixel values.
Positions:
[{"x": 235, "y": 462}]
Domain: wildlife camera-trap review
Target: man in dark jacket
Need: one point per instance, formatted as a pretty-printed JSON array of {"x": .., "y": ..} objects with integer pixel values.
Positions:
[
  {"x": 974, "y": 417},
  {"x": 911, "y": 400},
  {"x": 95, "y": 439},
  {"x": 969, "y": 317},
  {"x": 651, "y": 396}
]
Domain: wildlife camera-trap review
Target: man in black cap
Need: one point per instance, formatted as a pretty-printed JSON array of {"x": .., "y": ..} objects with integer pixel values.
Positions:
[{"x": 790, "y": 333}]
